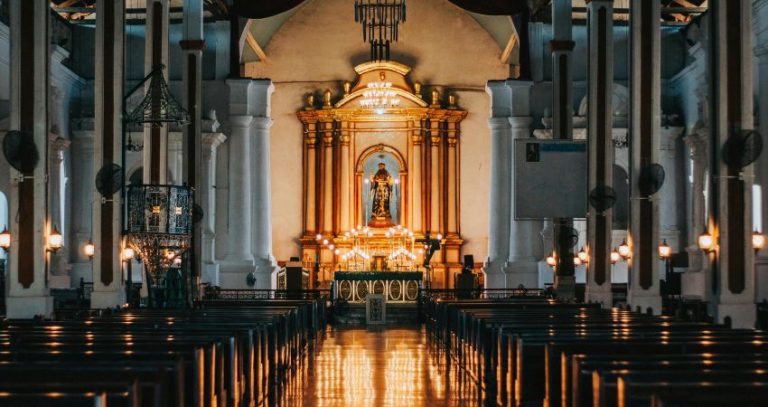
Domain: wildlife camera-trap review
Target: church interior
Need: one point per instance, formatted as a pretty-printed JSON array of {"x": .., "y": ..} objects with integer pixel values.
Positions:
[{"x": 225, "y": 203}]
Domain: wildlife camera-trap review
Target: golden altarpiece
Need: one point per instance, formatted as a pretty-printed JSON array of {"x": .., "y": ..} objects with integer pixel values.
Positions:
[{"x": 380, "y": 172}]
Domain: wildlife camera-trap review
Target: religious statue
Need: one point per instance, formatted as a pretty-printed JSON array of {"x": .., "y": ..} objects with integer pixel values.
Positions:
[{"x": 381, "y": 193}]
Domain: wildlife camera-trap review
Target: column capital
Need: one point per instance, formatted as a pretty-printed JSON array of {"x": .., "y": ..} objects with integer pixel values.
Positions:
[
  {"x": 417, "y": 138},
  {"x": 213, "y": 140},
  {"x": 250, "y": 96},
  {"x": 240, "y": 120},
  {"x": 520, "y": 122},
  {"x": 262, "y": 123},
  {"x": 498, "y": 123},
  {"x": 344, "y": 139}
]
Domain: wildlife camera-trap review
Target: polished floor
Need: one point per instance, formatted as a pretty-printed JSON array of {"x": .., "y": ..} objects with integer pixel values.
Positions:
[{"x": 391, "y": 367}]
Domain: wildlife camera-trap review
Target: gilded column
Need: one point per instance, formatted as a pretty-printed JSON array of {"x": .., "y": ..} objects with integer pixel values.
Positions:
[
  {"x": 310, "y": 184},
  {"x": 326, "y": 211},
  {"x": 344, "y": 179},
  {"x": 452, "y": 187},
  {"x": 417, "y": 214},
  {"x": 434, "y": 176}
]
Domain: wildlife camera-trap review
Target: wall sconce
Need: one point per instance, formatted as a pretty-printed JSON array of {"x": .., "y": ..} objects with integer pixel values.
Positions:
[
  {"x": 128, "y": 254},
  {"x": 583, "y": 256},
  {"x": 706, "y": 242},
  {"x": 89, "y": 249},
  {"x": 624, "y": 251},
  {"x": 55, "y": 240},
  {"x": 615, "y": 256},
  {"x": 758, "y": 241},
  {"x": 577, "y": 261},
  {"x": 5, "y": 239},
  {"x": 665, "y": 250},
  {"x": 551, "y": 260}
]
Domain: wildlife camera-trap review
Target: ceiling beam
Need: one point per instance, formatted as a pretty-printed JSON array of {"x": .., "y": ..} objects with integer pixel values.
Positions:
[
  {"x": 507, "y": 53},
  {"x": 251, "y": 40}
]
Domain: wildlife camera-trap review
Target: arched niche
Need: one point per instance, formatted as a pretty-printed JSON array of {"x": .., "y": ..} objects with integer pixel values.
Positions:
[{"x": 366, "y": 164}]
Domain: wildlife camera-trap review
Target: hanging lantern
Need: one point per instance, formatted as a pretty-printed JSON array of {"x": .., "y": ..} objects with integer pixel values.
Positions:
[
  {"x": 624, "y": 251},
  {"x": 706, "y": 242},
  {"x": 89, "y": 249},
  {"x": 5, "y": 239},
  {"x": 665, "y": 251},
  {"x": 758, "y": 241},
  {"x": 55, "y": 240}
]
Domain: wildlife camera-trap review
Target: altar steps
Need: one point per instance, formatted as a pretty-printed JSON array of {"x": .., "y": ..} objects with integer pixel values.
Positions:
[{"x": 398, "y": 315}]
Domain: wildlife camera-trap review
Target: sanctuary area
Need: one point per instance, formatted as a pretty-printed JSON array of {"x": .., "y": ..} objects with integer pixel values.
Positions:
[{"x": 225, "y": 203}]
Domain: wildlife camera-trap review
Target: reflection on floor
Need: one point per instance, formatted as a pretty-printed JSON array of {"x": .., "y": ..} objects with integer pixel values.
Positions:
[{"x": 392, "y": 367}]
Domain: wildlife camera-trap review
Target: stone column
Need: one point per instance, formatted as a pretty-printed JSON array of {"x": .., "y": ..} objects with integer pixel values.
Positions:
[
  {"x": 730, "y": 217},
  {"x": 29, "y": 58},
  {"x": 416, "y": 175},
  {"x": 266, "y": 266},
  {"x": 59, "y": 266},
  {"x": 206, "y": 198},
  {"x": 672, "y": 193},
  {"x": 760, "y": 18},
  {"x": 562, "y": 120},
  {"x": 696, "y": 281},
  {"x": 155, "y": 153},
  {"x": 310, "y": 184},
  {"x": 345, "y": 175},
  {"x": 81, "y": 230},
  {"x": 600, "y": 144},
  {"x": 524, "y": 241},
  {"x": 239, "y": 260},
  {"x": 501, "y": 183},
  {"x": 193, "y": 44},
  {"x": 645, "y": 122}
]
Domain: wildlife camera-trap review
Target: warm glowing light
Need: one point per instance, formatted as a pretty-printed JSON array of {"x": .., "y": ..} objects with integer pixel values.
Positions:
[
  {"x": 89, "y": 249},
  {"x": 178, "y": 210},
  {"x": 706, "y": 242},
  {"x": 624, "y": 250},
  {"x": 551, "y": 260},
  {"x": 55, "y": 240},
  {"x": 5, "y": 239},
  {"x": 583, "y": 256},
  {"x": 156, "y": 209},
  {"x": 128, "y": 253},
  {"x": 330, "y": 246},
  {"x": 665, "y": 251},
  {"x": 758, "y": 241},
  {"x": 325, "y": 242},
  {"x": 318, "y": 237},
  {"x": 576, "y": 261},
  {"x": 439, "y": 236},
  {"x": 615, "y": 256}
]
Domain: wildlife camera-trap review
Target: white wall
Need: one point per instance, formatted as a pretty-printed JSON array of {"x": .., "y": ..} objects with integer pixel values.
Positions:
[{"x": 318, "y": 47}]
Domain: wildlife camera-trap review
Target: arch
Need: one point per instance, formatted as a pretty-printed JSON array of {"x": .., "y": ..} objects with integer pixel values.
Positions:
[{"x": 377, "y": 149}]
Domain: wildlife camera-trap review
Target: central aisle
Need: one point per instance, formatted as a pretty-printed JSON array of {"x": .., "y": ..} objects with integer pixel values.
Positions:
[{"x": 392, "y": 367}]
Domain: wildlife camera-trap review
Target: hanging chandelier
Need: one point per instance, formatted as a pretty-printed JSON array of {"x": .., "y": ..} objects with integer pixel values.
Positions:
[
  {"x": 158, "y": 107},
  {"x": 380, "y": 21},
  {"x": 379, "y": 94}
]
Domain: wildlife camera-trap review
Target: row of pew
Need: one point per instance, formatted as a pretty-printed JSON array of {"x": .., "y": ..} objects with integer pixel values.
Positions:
[
  {"x": 221, "y": 354},
  {"x": 530, "y": 351}
]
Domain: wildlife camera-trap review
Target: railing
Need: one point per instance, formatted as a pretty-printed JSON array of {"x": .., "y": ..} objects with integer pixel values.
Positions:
[
  {"x": 484, "y": 293},
  {"x": 214, "y": 293}
]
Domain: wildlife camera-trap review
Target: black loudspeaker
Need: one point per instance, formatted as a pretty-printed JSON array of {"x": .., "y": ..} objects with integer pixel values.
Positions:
[{"x": 293, "y": 271}]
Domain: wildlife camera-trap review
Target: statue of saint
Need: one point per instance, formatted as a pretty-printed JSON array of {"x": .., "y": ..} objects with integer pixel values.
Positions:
[{"x": 381, "y": 193}]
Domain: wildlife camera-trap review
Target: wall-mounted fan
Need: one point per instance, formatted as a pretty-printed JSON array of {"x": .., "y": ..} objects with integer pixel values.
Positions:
[
  {"x": 742, "y": 148},
  {"x": 568, "y": 236},
  {"x": 20, "y": 151},
  {"x": 109, "y": 179},
  {"x": 651, "y": 179},
  {"x": 197, "y": 213},
  {"x": 602, "y": 198}
]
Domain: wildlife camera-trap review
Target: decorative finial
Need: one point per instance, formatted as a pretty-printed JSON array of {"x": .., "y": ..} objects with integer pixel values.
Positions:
[
  {"x": 327, "y": 99},
  {"x": 310, "y": 102},
  {"x": 452, "y": 101},
  {"x": 417, "y": 89},
  {"x": 435, "y": 98},
  {"x": 347, "y": 87}
]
